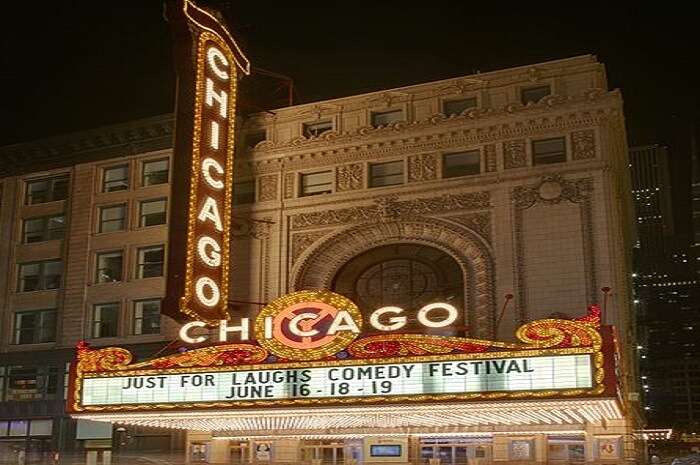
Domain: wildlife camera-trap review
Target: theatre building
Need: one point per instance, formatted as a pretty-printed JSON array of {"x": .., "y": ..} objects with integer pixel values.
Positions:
[{"x": 436, "y": 273}]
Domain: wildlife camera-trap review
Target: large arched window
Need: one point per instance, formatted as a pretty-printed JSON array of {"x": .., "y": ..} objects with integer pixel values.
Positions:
[{"x": 403, "y": 275}]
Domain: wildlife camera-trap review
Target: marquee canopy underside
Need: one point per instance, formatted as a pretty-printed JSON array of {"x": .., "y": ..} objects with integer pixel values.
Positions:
[{"x": 353, "y": 420}]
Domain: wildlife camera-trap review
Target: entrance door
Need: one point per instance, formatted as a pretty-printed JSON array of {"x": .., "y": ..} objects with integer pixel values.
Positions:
[
  {"x": 239, "y": 454},
  {"x": 328, "y": 454},
  {"x": 199, "y": 452}
]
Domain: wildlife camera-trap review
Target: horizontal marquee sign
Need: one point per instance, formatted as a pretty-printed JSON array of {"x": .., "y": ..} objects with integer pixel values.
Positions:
[{"x": 406, "y": 379}]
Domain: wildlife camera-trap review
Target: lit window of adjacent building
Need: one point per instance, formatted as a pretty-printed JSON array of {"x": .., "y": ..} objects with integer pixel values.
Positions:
[
  {"x": 548, "y": 151},
  {"x": 35, "y": 327},
  {"x": 43, "y": 228},
  {"x": 386, "y": 174},
  {"x": 254, "y": 138},
  {"x": 115, "y": 178},
  {"x": 534, "y": 94},
  {"x": 155, "y": 172},
  {"x": 153, "y": 212},
  {"x": 456, "y": 107},
  {"x": 316, "y": 129},
  {"x": 146, "y": 316},
  {"x": 461, "y": 164},
  {"x": 27, "y": 383},
  {"x": 243, "y": 192},
  {"x": 112, "y": 218},
  {"x": 150, "y": 262},
  {"x": 109, "y": 266},
  {"x": 46, "y": 190},
  {"x": 316, "y": 183},
  {"x": 105, "y": 320},
  {"x": 383, "y": 118},
  {"x": 39, "y": 276}
]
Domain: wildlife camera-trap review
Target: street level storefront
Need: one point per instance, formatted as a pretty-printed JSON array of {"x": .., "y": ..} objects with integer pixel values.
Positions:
[{"x": 309, "y": 385}]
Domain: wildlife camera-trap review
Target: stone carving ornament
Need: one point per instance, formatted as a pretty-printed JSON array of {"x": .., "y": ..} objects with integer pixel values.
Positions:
[
  {"x": 583, "y": 144},
  {"x": 422, "y": 167},
  {"x": 349, "y": 177},
  {"x": 514, "y": 154}
]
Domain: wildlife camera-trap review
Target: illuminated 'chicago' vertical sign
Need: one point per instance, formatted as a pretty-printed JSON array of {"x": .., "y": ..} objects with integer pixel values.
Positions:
[{"x": 208, "y": 62}]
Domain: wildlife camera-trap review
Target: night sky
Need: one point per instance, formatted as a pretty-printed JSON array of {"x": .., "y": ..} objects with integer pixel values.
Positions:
[{"x": 72, "y": 65}]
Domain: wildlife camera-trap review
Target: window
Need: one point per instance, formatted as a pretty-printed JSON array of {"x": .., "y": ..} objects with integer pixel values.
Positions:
[
  {"x": 534, "y": 94},
  {"x": 112, "y": 218},
  {"x": 150, "y": 262},
  {"x": 27, "y": 383},
  {"x": 46, "y": 190},
  {"x": 382, "y": 118},
  {"x": 317, "y": 183},
  {"x": 386, "y": 174},
  {"x": 105, "y": 320},
  {"x": 115, "y": 178},
  {"x": 35, "y": 327},
  {"x": 153, "y": 212},
  {"x": 461, "y": 164},
  {"x": 147, "y": 316},
  {"x": 254, "y": 138},
  {"x": 456, "y": 107},
  {"x": 316, "y": 129},
  {"x": 44, "y": 228},
  {"x": 155, "y": 172},
  {"x": 547, "y": 151},
  {"x": 38, "y": 276},
  {"x": 109, "y": 267},
  {"x": 243, "y": 192}
]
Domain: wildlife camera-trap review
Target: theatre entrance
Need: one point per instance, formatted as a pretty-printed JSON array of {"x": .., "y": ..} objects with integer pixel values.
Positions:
[
  {"x": 455, "y": 451},
  {"x": 331, "y": 452}
]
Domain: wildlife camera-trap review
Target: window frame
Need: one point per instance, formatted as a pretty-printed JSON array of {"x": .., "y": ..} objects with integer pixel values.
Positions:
[
  {"x": 41, "y": 280},
  {"x": 374, "y": 113},
  {"x": 124, "y": 219},
  {"x": 96, "y": 323},
  {"x": 524, "y": 89},
  {"x": 144, "y": 175},
  {"x": 97, "y": 266},
  {"x": 45, "y": 230},
  {"x": 371, "y": 178},
  {"x": 461, "y": 152},
  {"x": 142, "y": 216},
  {"x": 447, "y": 101},
  {"x": 105, "y": 169},
  {"x": 134, "y": 317},
  {"x": 330, "y": 184},
  {"x": 140, "y": 266},
  {"x": 549, "y": 154},
  {"x": 50, "y": 191},
  {"x": 36, "y": 338},
  {"x": 305, "y": 126}
]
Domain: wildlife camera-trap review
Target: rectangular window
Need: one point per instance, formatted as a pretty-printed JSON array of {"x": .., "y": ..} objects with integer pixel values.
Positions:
[
  {"x": 35, "y": 327},
  {"x": 39, "y": 276},
  {"x": 317, "y": 183},
  {"x": 534, "y": 94},
  {"x": 456, "y": 107},
  {"x": 109, "y": 267},
  {"x": 44, "y": 228},
  {"x": 153, "y": 212},
  {"x": 46, "y": 190},
  {"x": 461, "y": 164},
  {"x": 115, "y": 178},
  {"x": 386, "y": 174},
  {"x": 383, "y": 118},
  {"x": 150, "y": 262},
  {"x": 155, "y": 172},
  {"x": 316, "y": 129},
  {"x": 112, "y": 218},
  {"x": 26, "y": 383},
  {"x": 105, "y": 320},
  {"x": 243, "y": 192},
  {"x": 147, "y": 316},
  {"x": 254, "y": 138},
  {"x": 548, "y": 151}
]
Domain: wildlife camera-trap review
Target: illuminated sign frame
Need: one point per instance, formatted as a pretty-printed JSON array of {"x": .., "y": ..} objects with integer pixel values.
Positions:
[
  {"x": 539, "y": 338},
  {"x": 203, "y": 164}
]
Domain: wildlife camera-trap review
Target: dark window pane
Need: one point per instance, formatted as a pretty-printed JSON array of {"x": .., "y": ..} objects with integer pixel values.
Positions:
[
  {"x": 153, "y": 212},
  {"x": 386, "y": 174},
  {"x": 56, "y": 228},
  {"x": 147, "y": 317},
  {"x": 382, "y": 118},
  {"x": 549, "y": 151},
  {"x": 109, "y": 267},
  {"x": 317, "y": 183},
  {"x": 150, "y": 262},
  {"x": 37, "y": 192},
  {"x": 35, "y": 327},
  {"x": 60, "y": 189},
  {"x": 115, "y": 178},
  {"x": 112, "y": 218},
  {"x": 34, "y": 230},
  {"x": 52, "y": 274},
  {"x": 461, "y": 164},
  {"x": 456, "y": 107},
  {"x": 316, "y": 129},
  {"x": 155, "y": 172},
  {"x": 29, "y": 277},
  {"x": 534, "y": 94},
  {"x": 105, "y": 320}
]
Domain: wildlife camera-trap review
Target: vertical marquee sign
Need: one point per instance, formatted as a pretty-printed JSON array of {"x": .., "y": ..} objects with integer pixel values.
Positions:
[{"x": 208, "y": 61}]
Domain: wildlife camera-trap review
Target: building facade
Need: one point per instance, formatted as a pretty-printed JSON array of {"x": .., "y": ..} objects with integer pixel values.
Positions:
[{"x": 504, "y": 193}]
